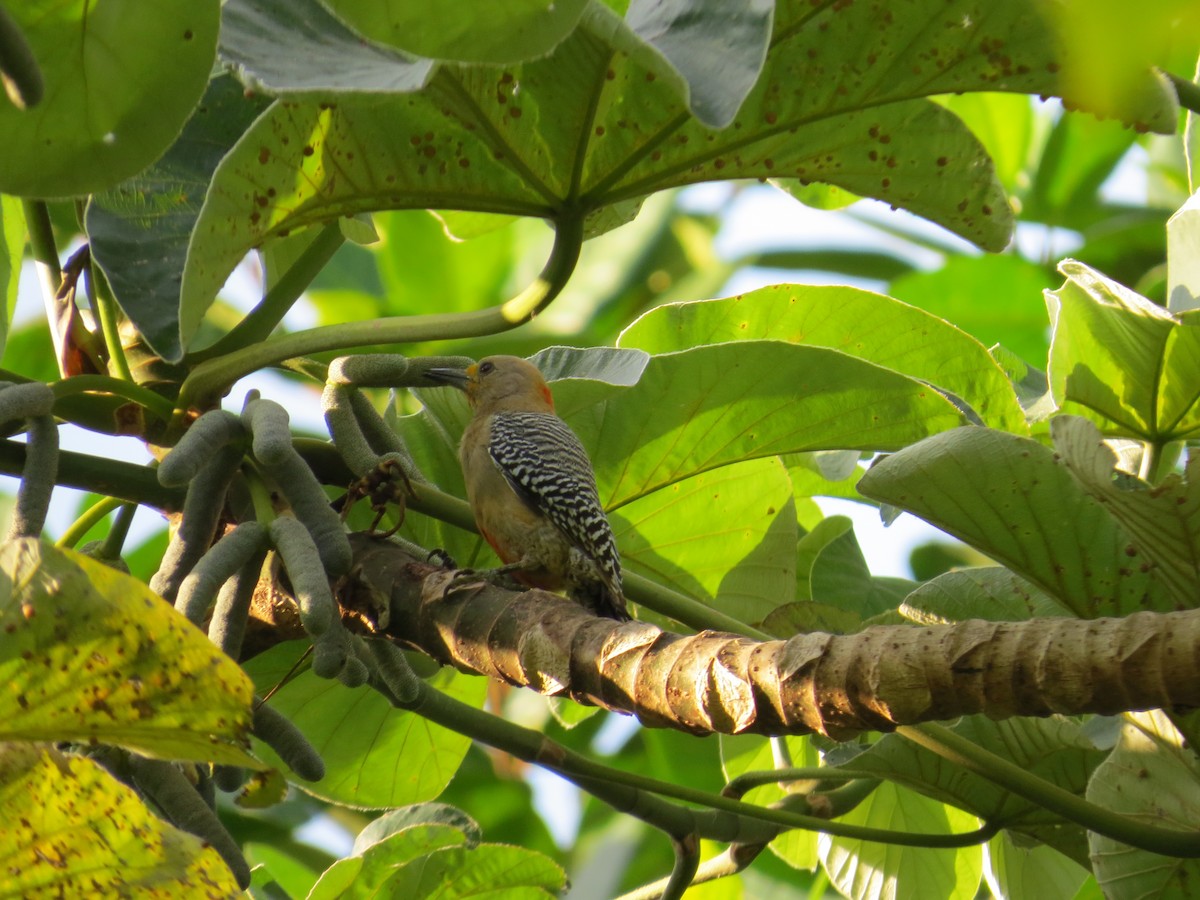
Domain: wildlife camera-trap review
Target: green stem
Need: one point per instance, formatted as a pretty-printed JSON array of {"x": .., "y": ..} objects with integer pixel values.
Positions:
[
  {"x": 85, "y": 523},
  {"x": 260, "y": 496},
  {"x": 105, "y": 384},
  {"x": 211, "y": 378},
  {"x": 1010, "y": 776},
  {"x": 112, "y": 477},
  {"x": 749, "y": 780},
  {"x": 41, "y": 240},
  {"x": 115, "y": 541},
  {"x": 744, "y": 822},
  {"x": 110, "y": 328},
  {"x": 257, "y": 326},
  {"x": 1188, "y": 92}
]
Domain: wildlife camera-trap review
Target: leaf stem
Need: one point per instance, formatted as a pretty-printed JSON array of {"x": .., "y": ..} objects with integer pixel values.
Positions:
[
  {"x": 257, "y": 326},
  {"x": 105, "y": 384},
  {"x": 90, "y": 518},
  {"x": 1188, "y": 92},
  {"x": 725, "y": 820},
  {"x": 1008, "y": 775},
  {"x": 211, "y": 378},
  {"x": 110, "y": 329}
]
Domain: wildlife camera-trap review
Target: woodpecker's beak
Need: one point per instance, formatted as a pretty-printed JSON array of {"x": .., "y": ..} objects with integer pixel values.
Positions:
[{"x": 458, "y": 378}]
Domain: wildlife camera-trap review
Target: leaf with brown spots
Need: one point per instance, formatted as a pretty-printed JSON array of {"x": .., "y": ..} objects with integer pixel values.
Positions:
[
  {"x": 72, "y": 830},
  {"x": 91, "y": 655}
]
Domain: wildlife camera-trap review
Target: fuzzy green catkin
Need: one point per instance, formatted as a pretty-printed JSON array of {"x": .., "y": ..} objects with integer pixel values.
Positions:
[
  {"x": 343, "y": 427},
  {"x": 277, "y": 732},
  {"x": 37, "y": 477},
  {"x": 272, "y": 444},
  {"x": 227, "y": 629},
  {"x": 370, "y": 370},
  {"x": 211, "y": 432},
  {"x": 179, "y": 801},
  {"x": 221, "y": 562},
  {"x": 229, "y": 778},
  {"x": 24, "y": 401},
  {"x": 198, "y": 522},
  {"x": 310, "y": 584},
  {"x": 270, "y": 430}
]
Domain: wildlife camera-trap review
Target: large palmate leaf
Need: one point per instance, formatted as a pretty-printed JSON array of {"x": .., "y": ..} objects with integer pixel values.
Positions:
[
  {"x": 1011, "y": 499},
  {"x": 601, "y": 123},
  {"x": 92, "y": 655},
  {"x": 72, "y": 830},
  {"x": 375, "y": 756},
  {"x": 859, "y": 323},
  {"x": 121, "y": 77},
  {"x": 1121, "y": 360}
]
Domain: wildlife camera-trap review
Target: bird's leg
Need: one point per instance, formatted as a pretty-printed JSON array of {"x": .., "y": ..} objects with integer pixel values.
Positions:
[{"x": 466, "y": 577}]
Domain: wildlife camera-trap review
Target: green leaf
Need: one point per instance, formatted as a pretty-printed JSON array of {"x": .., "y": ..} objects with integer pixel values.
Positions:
[
  {"x": 396, "y": 757},
  {"x": 92, "y": 655},
  {"x": 1013, "y": 870},
  {"x": 398, "y": 820},
  {"x": 1153, "y": 777},
  {"x": 727, "y": 537},
  {"x": 1009, "y": 498},
  {"x": 72, "y": 830},
  {"x": 718, "y": 48},
  {"x": 863, "y": 869},
  {"x": 704, "y": 408},
  {"x": 995, "y": 299},
  {"x": 12, "y": 249},
  {"x": 139, "y": 231},
  {"x": 858, "y": 323},
  {"x": 364, "y": 873},
  {"x": 1123, "y": 361},
  {"x": 416, "y": 263},
  {"x": 991, "y": 593},
  {"x": 121, "y": 78},
  {"x": 838, "y": 576},
  {"x": 1183, "y": 246},
  {"x": 1005, "y": 124},
  {"x": 1163, "y": 519},
  {"x": 422, "y": 861},
  {"x": 1078, "y": 157},
  {"x": 598, "y": 125},
  {"x": 299, "y": 49},
  {"x": 1052, "y": 748},
  {"x": 467, "y": 31}
]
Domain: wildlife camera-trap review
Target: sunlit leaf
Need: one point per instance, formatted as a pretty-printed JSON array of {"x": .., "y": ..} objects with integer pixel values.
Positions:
[
  {"x": 91, "y": 654},
  {"x": 727, "y": 537},
  {"x": 1163, "y": 519},
  {"x": 375, "y": 756},
  {"x": 1150, "y": 753},
  {"x": 858, "y": 323},
  {"x": 121, "y": 78},
  {"x": 72, "y": 830},
  {"x": 1009, "y": 498},
  {"x": 1123, "y": 361},
  {"x": 864, "y": 869}
]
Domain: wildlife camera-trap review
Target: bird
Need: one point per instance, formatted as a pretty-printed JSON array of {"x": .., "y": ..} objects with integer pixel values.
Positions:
[{"x": 531, "y": 486}]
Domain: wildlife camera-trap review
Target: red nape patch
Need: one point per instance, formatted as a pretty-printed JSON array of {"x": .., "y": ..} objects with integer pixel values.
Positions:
[{"x": 549, "y": 398}]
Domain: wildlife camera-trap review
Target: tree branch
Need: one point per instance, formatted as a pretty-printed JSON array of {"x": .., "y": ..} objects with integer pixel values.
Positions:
[{"x": 837, "y": 685}]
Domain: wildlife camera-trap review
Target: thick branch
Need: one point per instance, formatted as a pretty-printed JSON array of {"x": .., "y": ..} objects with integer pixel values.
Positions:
[{"x": 837, "y": 685}]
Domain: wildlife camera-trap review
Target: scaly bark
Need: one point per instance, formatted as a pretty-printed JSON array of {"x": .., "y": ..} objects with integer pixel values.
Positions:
[{"x": 838, "y": 685}]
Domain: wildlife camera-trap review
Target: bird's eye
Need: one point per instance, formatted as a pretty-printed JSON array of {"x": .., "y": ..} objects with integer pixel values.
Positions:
[{"x": 486, "y": 367}]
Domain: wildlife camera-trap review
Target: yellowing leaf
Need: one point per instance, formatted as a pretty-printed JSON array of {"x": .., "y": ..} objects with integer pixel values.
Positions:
[{"x": 90, "y": 654}]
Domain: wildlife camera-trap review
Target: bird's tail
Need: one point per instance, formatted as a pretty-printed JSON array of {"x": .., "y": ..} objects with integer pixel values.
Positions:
[{"x": 603, "y": 599}]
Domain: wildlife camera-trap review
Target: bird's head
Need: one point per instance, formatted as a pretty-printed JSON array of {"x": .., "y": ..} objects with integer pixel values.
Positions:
[{"x": 500, "y": 382}]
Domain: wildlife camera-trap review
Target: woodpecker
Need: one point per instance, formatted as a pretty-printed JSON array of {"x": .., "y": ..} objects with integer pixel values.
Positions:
[{"x": 531, "y": 486}]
